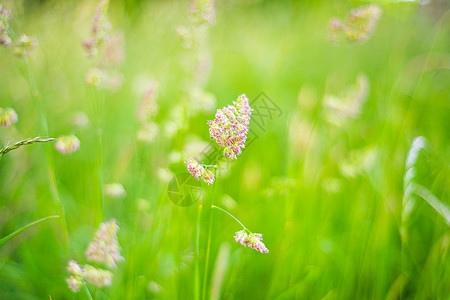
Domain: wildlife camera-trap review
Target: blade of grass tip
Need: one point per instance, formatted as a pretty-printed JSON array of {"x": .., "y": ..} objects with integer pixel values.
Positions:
[
  {"x": 21, "y": 229},
  {"x": 428, "y": 196}
]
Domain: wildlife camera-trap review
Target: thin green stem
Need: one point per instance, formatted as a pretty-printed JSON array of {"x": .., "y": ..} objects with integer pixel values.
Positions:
[
  {"x": 197, "y": 255},
  {"x": 23, "y": 228},
  {"x": 210, "y": 166},
  {"x": 208, "y": 247},
  {"x": 51, "y": 168},
  {"x": 97, "y": 117},
  {"x": 86, "y": 290},
  {"x": 221, "y": 209}
]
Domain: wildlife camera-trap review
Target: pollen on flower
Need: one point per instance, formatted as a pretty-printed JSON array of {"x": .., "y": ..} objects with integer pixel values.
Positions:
[
  {"x": 8, "y": 116},
  {"x": 230, "y": 127},
  {"x": 105, "y": 248},
  {"x": 252, "y": 240},
  {"x": 67, "y": 144}
]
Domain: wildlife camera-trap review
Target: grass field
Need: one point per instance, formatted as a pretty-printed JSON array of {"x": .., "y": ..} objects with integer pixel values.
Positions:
[{"x": 345, "y": 172}]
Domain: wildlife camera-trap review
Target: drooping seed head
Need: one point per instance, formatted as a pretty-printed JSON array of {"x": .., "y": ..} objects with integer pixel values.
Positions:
[{"x": 252, "y": 240}]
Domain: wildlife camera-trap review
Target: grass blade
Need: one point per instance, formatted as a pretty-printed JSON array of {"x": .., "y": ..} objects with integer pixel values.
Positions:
[
  {"x": 428, "y": 196},
  {"x": 10, "y": 236}
]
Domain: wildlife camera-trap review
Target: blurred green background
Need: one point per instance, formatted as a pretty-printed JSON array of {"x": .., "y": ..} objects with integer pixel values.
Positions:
[{"x": 328, "y": 199}]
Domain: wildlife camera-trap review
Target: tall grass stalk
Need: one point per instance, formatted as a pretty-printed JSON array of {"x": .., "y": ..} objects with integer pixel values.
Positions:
[
  {"x": 99, "y": 149},
  {"x": 50, "y": 164},
  {"x": 197, "y": 255},
  {"x": 208, "y": 243}
]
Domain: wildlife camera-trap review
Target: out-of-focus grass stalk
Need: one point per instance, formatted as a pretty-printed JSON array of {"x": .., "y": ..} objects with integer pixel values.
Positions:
[
  {"x": 208, "y": 243},
  {"x": 23, "y": 228},
  {"x": 51, "y": 167},
  {"x": 98, "y": 131},
  {"x": 220, "y": 270}
]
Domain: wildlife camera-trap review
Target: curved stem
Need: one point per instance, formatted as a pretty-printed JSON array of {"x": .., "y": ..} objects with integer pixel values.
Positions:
[
  {"x": 221, "y": 209},
  {"x": 23, "y": 228}
]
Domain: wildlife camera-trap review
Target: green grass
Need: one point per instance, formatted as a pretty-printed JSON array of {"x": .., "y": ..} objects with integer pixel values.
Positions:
[{"x": 330, "y": 235}]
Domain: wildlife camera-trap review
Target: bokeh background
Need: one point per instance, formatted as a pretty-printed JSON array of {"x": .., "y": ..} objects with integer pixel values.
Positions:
[{"x": 329, "y": 197}]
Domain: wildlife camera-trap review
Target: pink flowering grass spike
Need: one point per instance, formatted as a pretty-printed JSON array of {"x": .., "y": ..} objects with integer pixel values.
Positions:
[
  {"x": 230, "y": 127},
  {"x": 75, "y": 281},
  {"x": 198, "y": 171},
  {"x": 252, "y": 240},
  {"x": 195, "y": 168},
  {"x": 105, "y": 248}
]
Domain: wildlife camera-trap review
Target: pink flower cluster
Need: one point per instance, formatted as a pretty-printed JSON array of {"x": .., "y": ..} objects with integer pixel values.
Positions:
[
  {"x": 252, "y": 240},
  {"x": 105, "y": 248},
  {"x": 8, "y": 116},
  {"x": 230, "y": 126},
  {"x": 358, "y": 26},
  {"x": 198, "y": 171},
  {"x": 67, "y": 144},
  {"x": 5, "y": 16}
]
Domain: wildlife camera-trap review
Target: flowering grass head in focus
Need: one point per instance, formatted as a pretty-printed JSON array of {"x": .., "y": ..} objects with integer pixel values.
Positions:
[
  {"x": 199, "y": 171},
  {"x": 230, "y": 127},
  {"x": 252, "y": 240}
]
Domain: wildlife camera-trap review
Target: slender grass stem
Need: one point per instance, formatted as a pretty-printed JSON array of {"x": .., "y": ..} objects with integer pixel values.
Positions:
[
  {"x": 51, "y": 167},
  {"x": 197, "y": 255},
  {"x": 86, "y": 290},
  {"x": 23, "y": 228},
  {"x": 98, "y": 129},
  {"x": 208, "y": 246},
  {"x": 221, "y": 209}
]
